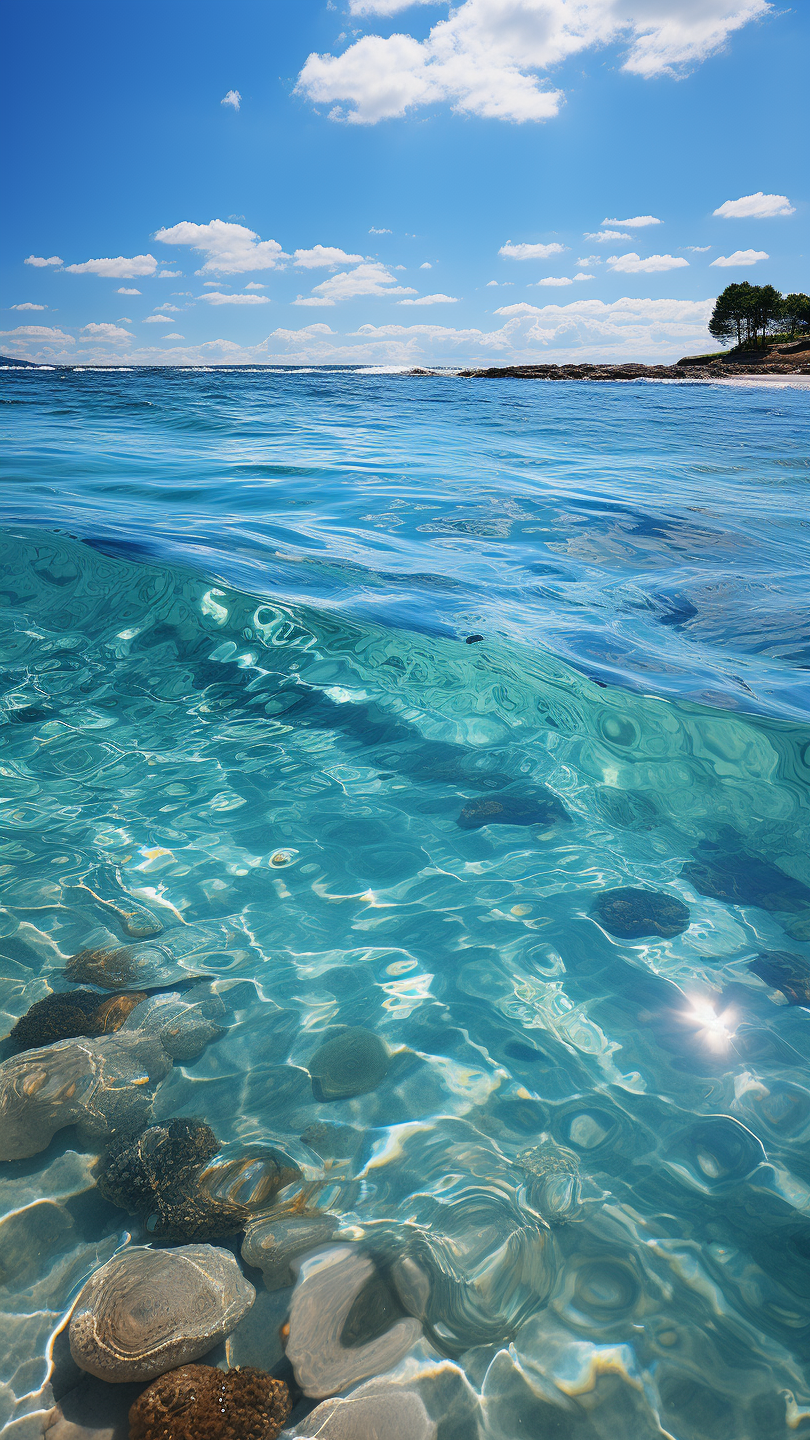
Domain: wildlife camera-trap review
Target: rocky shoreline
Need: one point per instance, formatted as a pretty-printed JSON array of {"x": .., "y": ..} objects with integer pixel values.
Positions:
[{"x": 782, "y": 360}]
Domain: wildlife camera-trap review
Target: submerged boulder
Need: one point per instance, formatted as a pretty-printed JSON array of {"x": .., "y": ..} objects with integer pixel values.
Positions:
[
  {"x": 541, "y": 808},
  {"x": 631, "y": 914},
  {"x": 271, "y": 1243},
  {"x": 184, "y": 1023},
  {"x": 71, "y": 1013},
  {"x": 148, "y": 1311},
  {"x": 351, "y": 1063},
  {"x": 342, "y": 1328},
  {"x": 784, "y": 971},
  {"x": 106, "y": 1086},
  {"x": 744, "y": 879},
  {"x": 154, "y": 1175},
  {"x": 144, "y": 967},
  {"x": 199, "y": 1402}
]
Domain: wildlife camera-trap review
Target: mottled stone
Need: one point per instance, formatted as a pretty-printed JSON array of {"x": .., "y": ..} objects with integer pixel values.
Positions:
[
  {"x": 744, "y": 879},
  {"x": 390, "y": 1414},
  {"x": 68, "y": 1014},
  {"x": 631, "y": 914},
  {"x": 328, "y": 1325},
  {"x": 148, "y": 1311},
  {"x": 138, "y": 967},
  {"x": 184, "y": 1023},
  {"x": 542, "y": 808},
  {"x": 271, "y": 1243},
  {"x": 784, "y": 971},
  {"x": 202, "y": 1402},
  {"x": 106, "y": 1086},
  {"x": 351, "y": 1063}
]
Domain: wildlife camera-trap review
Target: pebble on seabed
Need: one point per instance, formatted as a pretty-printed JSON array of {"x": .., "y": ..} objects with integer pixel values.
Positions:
[
  {"x": 211, "y": 1404},
  {"x": 542, "y": 809},
  {"x": 351, "y": 1063},
  {"x": 70, "y": 1013},
  {"x": 630, "y": 913},
  {"x": 784, "y": 971},
  {"x": 148, "y": 1311}
]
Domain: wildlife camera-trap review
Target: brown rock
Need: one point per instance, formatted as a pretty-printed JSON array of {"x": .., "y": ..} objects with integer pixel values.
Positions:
[{"x": 199, "y": 1402}]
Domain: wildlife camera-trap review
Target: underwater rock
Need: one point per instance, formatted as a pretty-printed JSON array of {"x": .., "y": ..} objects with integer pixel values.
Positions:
[
  {"x": 744, "y": 879},
  {"x": 202, "y": 1402},
  {"x": 552, "y": 1180},
  {"x": 138, "y": 967},
  {"x": 183, "y": 1023},
  {"x": 250, "y": 1180},
  {"x": 272, "y": 1242},
  {"x": 106, "y": 1086},
  {"x": 630, "y": 913},
  {"x": 326, "y": 1344},
  {"x": 393, "y": 1413},
  {"x": 72, "y": 1013},
  {"x": 156, "y": 1175},
  {"x": 148, "y": 1311},
  {"x": 351, "y": 1063},
  {"x": 542, "y": 808},
  {"x": 784, "y": 971}
]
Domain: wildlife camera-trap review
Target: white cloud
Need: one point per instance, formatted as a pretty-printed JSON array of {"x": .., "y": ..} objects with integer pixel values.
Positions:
[
  {"x": 491, "y": 282},
  {"x": 375, "y": 231},
  {"x": 431, "y": 300},
  {"x": 607, "y": 237},
  {"x": 229, "y": 249},
  {"x": 320, "y": 329},
  {"x": 755, "y": 207},
  {"x": 323, "y": 257},
  {"x": 158, "y": 320},
  {"x": 483, "y": 59},
  {"x": 39, "y": 332},
  {"x": 632, "y": 264},
  {"x": 581, "y": 276},
  {"x": 215, "y": 283},
  {"x": 119, "y": 268},
  {"x": 530, "y": 252},
  {"x": 174, "y": 336},
  {"x": 371, "y": 278},
  {"x": 106, "y": 332},
  {"x": 215, "y": 297},
  {"x": 586, "y": 260},
  {"x": 636, "y": 222},
  {"x": 164, "y": 308},
  {"x": 39, "y": 260},
  {"x": 168, "y": 274},
  {"x": 251, "y": 285},
  {"x": 426, "y": 265},
  {"x": 383, "y": 7},
  {"x": 126, "y": 290},
  {"x": 741, "y": 257},
  {"x": 697, "y": 249},
  {"x": 232, "y": 98},
  {"x": 124, "y": 320},
  {"x": 28, "y": 305},
  {"x": 555, "y": 280}
]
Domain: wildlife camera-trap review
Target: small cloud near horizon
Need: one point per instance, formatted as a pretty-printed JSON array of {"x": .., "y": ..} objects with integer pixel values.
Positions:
[
  {"x": 39, "y": 260},
  {"x": 633, "y": 264},
  {"x": 232, "y": 98},
  {"x": 431, "y": 300},
  {"x": 28, "y": 305}
]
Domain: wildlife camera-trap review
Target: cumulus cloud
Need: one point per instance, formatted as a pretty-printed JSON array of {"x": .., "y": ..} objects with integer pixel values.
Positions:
[
  {"x": 216, "y": 297},
  {"x": 39, "y": 260},
  {"x": 755, "y": 207},
  {"x": 633, "y": 264},
  {"x": 28, "y": 305},
  {"x": 324, "y": 257},
  {"x": 119, "y": 268},
  {"x": 168, "y": 274},
  {"x": 530, "y": 252},
  {"x": 582, "y": 276},
  {"x": 741, "y": 257},
  {"x": 39, "y": 332},
  {"x": 607, "y": 237},
  {"x": 106, "y": 332},
  {"x": 319, "y": 329},
  {"x": 158, "y": 319},
  {"x": 555, "y": 280},
  {"x": 232, "y": 98},
  {"x": 164, "y": 308},
  {"x": 431, "y": 300},
  {"x": 126, "y": 290},
  {"x": 371, "y": 278},
  {"x": 484, "y": 58},
  {"x": 251, "y": 285},
  {"x": 426, "y": 265},
  {"x": 586, "y": 260},
  {"x": 174, "y": 336},
  {"x": 697, "y": 249},
  {"x": 229, "y": 249},
  {"x": 636, "y": 222}
]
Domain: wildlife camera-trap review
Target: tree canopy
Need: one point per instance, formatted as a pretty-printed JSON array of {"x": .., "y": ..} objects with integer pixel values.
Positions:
[{"x": 744, "y": 312}]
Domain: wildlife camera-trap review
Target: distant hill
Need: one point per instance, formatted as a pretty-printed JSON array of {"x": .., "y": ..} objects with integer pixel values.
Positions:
[{"x": 12, "y": 360}]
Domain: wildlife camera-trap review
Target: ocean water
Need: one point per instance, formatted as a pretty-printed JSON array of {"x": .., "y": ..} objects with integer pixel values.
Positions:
[{"x": 242, "y": 734}]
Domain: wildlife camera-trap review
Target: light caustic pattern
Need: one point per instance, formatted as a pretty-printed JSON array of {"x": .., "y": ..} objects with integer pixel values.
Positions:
[{"x": 594, "y": 1147}]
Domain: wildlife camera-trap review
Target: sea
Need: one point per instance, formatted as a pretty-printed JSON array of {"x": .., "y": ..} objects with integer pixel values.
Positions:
[{"x": 358, "y": 694}]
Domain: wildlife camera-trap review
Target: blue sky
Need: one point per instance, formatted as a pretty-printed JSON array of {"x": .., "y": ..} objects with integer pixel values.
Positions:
[{"x": 378, "y": 165}]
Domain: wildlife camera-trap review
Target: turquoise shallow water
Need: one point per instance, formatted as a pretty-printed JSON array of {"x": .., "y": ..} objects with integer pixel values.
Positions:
[{"x": 240, "y": 723}]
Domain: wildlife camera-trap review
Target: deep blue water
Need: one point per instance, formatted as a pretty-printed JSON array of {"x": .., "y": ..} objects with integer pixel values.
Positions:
[{"x": 238, "y": 706}]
